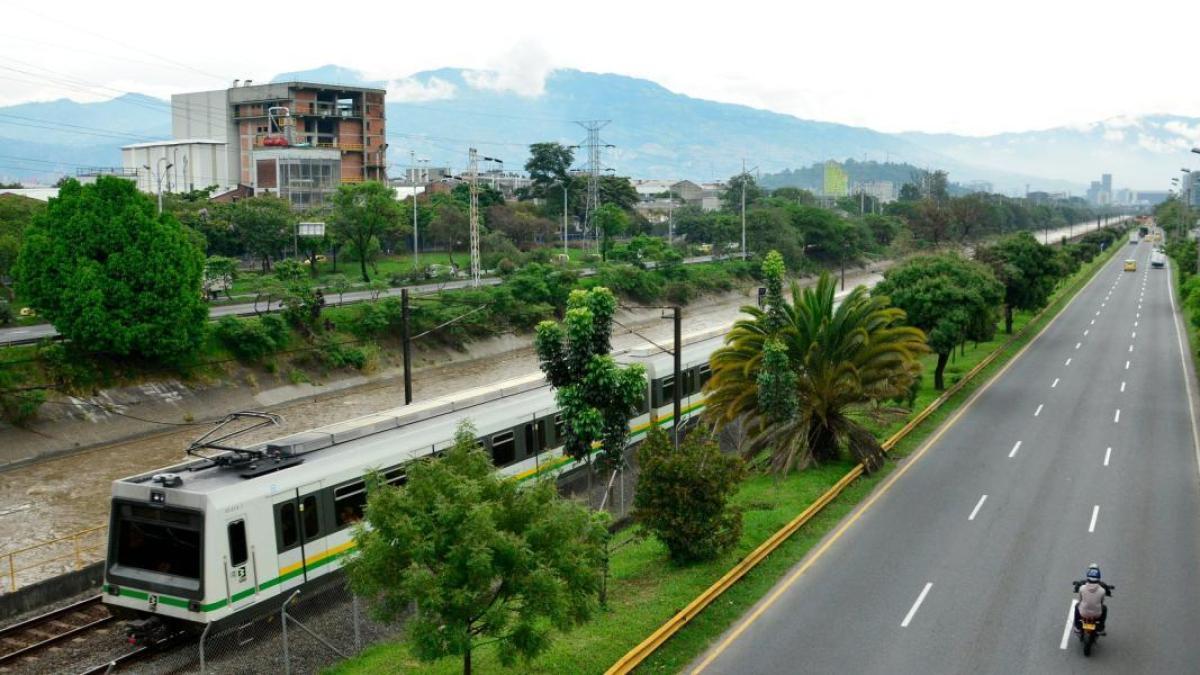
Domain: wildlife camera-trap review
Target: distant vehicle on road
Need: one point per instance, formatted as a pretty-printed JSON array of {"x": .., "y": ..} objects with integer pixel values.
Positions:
[
  {"x": 1133, "y": 238},
  {"x": 1157, "y": 259},
  {"x": 1143, "y": 230},
  {"x": 1131, "y": 265}
]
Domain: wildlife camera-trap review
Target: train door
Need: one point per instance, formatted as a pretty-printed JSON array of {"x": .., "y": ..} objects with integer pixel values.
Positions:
[
  {"x": 241, "y": 575},
  {"x": 314, "y": 529},
  {"x": 290, "y": 551}
]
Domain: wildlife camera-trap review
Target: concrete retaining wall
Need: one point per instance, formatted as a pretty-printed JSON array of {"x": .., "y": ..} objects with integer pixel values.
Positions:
[{"x": 51, "y": 590}]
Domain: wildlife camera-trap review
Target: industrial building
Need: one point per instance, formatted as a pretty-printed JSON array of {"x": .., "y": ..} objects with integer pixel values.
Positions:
[{"x": 296, "y": 140}]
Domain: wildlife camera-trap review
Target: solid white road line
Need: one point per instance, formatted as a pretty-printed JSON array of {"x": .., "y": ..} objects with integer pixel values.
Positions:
[
  {"x": 1122, "y": 387},
  {"x": 1039, "y": 410},
  {"x": 1054, "y": 383},
  {"x": 1117, "y": 417},
  {"x": 1067, "y": 629},
  {"x": 977, "y": 507},
  {"x": 1107, "y": 454},
  {"x": 1014, "y": 450},
  {"x": 916, "y": 605},
  {"x": 1095, "y": 512}
]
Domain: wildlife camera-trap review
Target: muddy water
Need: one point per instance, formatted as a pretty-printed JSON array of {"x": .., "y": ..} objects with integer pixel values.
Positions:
[{"x": 62, "y": 496}]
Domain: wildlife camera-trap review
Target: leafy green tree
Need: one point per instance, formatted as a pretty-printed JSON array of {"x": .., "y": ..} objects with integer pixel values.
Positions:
[
  {"x": 549, "y": 167},
  {"x": 683, "y": 496},
  {"x": 616, "y": 190},
  {"x": 596, "y": 396},
  {"x": 611, "y": 222},
  {"x": 264, "y": 226},
  {"x": 16, "y": 214},
  {"x": 363, "y": 212},
  {"x": 478, "y": 556},
  {"x": 1028, "y": 269},
  {"x": 450, "y": 227},
  {"x": 950, "y": 298},
  {"x": 731, "y": 198},
  {"x": 844, "y": 359},
  {"x": 112, "y": 275},
  {"x": 220, "y": 273},
  {"x": 340, "y": 284},
  {"x": 793, "y": 194}
]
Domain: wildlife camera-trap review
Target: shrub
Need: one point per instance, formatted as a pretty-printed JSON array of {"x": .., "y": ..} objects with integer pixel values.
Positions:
[
  {"x": 335, "y": 355},
  {"x": 251, "y": 340},
  {"x": 682, "y": 496},
  {"x": 7, "y": 316},
  {"x": 679, "y": 293}
]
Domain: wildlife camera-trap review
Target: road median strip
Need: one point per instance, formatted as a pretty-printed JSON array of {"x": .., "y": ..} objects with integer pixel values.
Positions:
[{"x": 636, "y": 656}]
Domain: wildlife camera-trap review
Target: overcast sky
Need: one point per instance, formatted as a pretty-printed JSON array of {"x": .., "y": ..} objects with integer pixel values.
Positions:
[{"x": 964, "y": 67}]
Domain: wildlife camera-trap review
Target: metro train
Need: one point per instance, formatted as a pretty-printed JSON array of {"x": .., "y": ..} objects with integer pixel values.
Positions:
[{"x": 227, "y": 535}]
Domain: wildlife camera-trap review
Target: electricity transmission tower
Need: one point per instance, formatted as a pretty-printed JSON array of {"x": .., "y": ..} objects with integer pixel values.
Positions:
[
  {"x": 473, "y": 181},
  {"x": 594, "y": 167}
]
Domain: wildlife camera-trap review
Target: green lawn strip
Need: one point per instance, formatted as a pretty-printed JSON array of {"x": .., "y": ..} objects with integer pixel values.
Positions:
[
  {"x": 1193, "y": 336},
  {"x": 645, "y": 590}
]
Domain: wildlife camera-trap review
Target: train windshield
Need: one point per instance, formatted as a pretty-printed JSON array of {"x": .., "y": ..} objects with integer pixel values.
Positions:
[{"x": 162, "y": 541}]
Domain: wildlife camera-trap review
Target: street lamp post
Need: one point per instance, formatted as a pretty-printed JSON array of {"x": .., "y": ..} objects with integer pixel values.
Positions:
[
  {"x": 158, "y": 175},
  {"x": 565, "y": 253}
]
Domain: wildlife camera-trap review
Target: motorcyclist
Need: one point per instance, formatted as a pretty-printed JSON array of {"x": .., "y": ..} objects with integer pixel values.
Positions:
[{"x": 1092, "y": 592}]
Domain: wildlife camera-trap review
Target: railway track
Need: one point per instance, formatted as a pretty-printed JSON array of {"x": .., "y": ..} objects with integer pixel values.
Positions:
[{"x": 28, "y": 637}]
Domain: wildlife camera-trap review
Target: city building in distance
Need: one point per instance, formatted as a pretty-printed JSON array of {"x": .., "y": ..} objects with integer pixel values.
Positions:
[{"x": 296, "y": 140}]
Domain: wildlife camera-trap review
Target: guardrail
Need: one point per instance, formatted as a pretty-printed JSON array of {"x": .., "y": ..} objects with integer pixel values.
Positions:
[
  {"x": 634, "y": 657},
  {"x": 70, "y": 552}
]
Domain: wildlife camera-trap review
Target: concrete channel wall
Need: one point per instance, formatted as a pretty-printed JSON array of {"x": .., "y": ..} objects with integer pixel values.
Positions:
[{"x": 50, "y": 591}]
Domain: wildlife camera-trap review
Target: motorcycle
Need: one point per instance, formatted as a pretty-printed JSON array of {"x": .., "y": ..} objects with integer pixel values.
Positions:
[{"x": 1088, "y": 632}]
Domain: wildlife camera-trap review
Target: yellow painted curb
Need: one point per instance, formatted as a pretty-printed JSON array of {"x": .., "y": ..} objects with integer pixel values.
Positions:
[{"x": 634, "y": 657}]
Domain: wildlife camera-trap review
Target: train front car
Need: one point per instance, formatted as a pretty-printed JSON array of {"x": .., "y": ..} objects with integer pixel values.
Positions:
[{"x": 155, "y": 573}]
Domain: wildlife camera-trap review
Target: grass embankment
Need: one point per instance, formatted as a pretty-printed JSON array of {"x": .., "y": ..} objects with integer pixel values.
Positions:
[{"x": 645, "y": 590}]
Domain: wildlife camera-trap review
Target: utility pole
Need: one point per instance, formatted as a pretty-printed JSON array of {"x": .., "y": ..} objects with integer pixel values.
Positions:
[
  {"x": 670, "y": 216},
  {"x": 406, "y": 345},
  {"x": 473, "y": 177},
  {"x": 416, "y": 241},
  {"x": 677, "y": 353},
  {"x": 565, "y": 253},
  {"x": 745, "y": 176},
  {"x": 743, "y": 209},
  {"x": 594, "y": 145}
]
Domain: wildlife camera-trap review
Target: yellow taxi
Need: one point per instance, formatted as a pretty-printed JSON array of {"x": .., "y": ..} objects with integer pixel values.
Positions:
[{"x": 1131, "y": 265}]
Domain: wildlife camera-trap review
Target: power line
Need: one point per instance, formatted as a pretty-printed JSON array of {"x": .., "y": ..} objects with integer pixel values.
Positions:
[{"x": 110, "y": 38}]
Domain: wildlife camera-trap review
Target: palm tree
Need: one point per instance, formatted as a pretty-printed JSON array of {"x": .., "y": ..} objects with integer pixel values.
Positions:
[{"x": 801, "y": 376}]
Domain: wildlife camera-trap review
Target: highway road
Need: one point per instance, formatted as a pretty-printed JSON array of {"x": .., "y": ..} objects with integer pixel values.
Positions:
[{"x": 1082, "y": 450}]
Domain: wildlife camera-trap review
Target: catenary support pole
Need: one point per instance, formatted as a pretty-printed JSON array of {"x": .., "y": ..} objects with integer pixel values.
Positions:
[
  {"x": 406, "y": 345},
  {"x": 678, "y": 388}
]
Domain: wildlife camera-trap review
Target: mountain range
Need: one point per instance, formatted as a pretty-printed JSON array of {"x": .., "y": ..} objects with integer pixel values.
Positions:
[{"x": 656, "y": 133}]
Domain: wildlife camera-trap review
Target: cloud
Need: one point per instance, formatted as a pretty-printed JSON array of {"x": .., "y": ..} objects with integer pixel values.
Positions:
[
  {"x": 1114, "y": 135},
  {"x": 1122, "y": 122},
  {"x": 1190, "y": 132},
  {"x": 1162, "y": 146},
  {"x": 412, "y": 90},
  {"x": 522, "y": 70}
]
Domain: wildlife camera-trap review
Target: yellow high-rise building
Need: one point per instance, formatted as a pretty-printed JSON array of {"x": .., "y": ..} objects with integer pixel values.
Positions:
[{"x": 837, "y": 183}]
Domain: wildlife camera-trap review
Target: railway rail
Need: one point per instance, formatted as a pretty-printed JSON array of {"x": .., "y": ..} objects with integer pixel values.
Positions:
[{"x": 24, "y": 639}]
